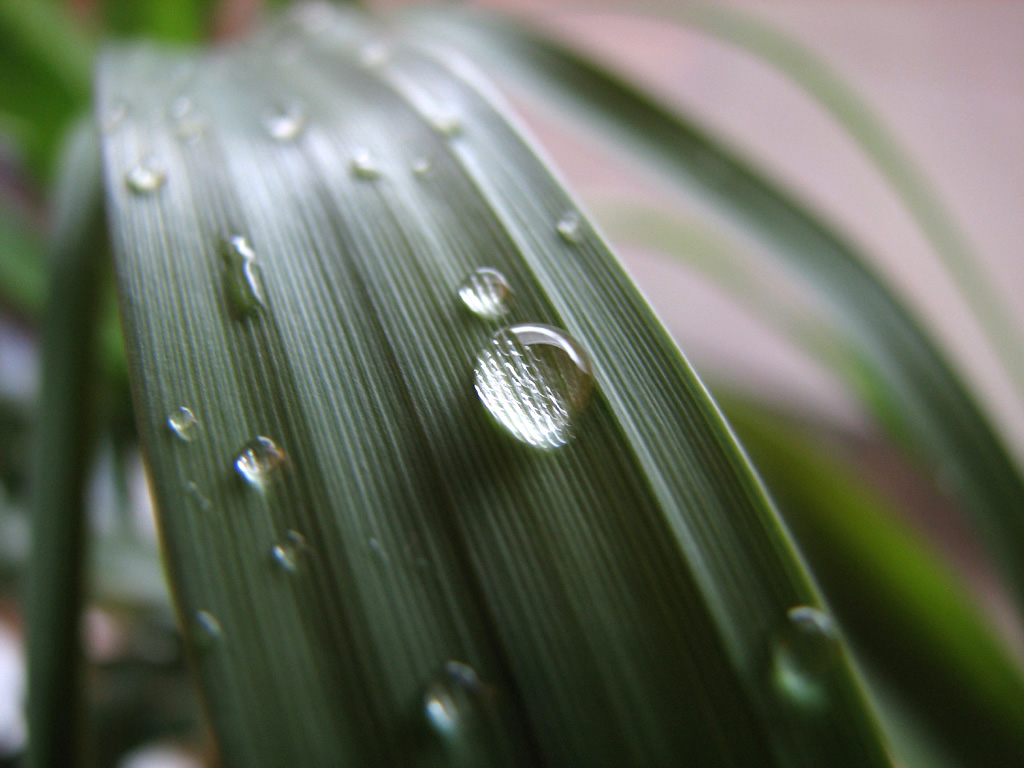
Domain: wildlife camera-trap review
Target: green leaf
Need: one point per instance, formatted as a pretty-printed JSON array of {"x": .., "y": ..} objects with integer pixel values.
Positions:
[
  {"x": 46, "y": 60},
  {"x": 902, "y": 605},
  {"x": 621, "y": 599},
  {"x": 917, "y": 394},
  {"x": 855, "y": 117},
  {"x": 180, "y": 21},
  {"x": 66, "y": 410}
]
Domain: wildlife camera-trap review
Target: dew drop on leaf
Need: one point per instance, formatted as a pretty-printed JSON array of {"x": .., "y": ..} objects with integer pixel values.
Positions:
[
  {"x": 145, "y": 178},
  {"x": 446, "y": 123},
  {"x": 363, "y": 165},
  {"x": 285, "y": 123},
  {"x": 285, "y": 557},
  {"x": 569, "y": 227},
  {"x": 535, "y": 380},
  {"x": 486, "y": 293},
  {"x": 803, "y": 654},
  {"x": 421, "y": 166},
  {"x": 207, "y": 629},
  {"x": 243, "y": 282},
  {"x": 183, "y": 423},
  {"x": 451, "y": 698},
  {"x": 259, "y": 460}
]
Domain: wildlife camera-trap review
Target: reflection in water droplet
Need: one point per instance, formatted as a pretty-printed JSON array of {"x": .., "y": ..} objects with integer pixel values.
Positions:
[
  {"x": 363, "y": 165},
  {"x": 243, "y": 282},
  {"x": 297, "y": 540},
  {"x": 145, "y": 178},
  {"x": 535, "y": 380},
  {"x": 196, "y": 496},
  {"x": 421, "y": 166},
  {"x": 285, "y": 123},
  {"x": 259, "y": 460},
  {"x": 285, "y": 557},
  {"x": 486, "y": 293},
  {"x": 183, "y": 423},
  {"x": 803, "y": 655},
  {"x": 452, "y": 697},
  {"x": 570, "y": 228},
  {"x": 207, "y": 629}
]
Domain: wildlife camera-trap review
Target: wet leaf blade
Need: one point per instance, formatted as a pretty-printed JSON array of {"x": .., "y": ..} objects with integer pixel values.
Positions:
[
  {"x": 919, "y": 397},
  {"x": 617, "y": 596}
]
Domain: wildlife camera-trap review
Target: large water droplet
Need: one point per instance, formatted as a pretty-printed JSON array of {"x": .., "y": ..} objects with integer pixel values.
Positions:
[
  {"x": 243, "y": 282},
  {"x": 535, "y": 380},
  {"x": 207, "y": 629},
  {"x": 285, "y": 123},
  {"x": 486, "y": 293},
  {"x": 570, "y": 228},
  {"x": 803, "y": 655},
  {"x": 183, "y": 423},
  {"x": 364, "y": 166},
  {"x": 451, "y": 697},
  {"x": 259, "y": 460},
  {"x": 145, "y": 178}
]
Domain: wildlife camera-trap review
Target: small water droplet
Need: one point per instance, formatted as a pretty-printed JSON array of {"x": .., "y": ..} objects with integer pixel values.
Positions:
[
  {"x": 486, "y": 293},
  {"x": 114, "y": 116},
  {"x": 145, "y": 178},
  {"x": 207, "y": 629},
  {"x": 421, "y": 166},
  {"x": 452, "y": 697},
  {"x": 803, "y": 654},
  {"x": 535, "y": 380},
  {"x": 363, "y": 165},
  {"x": 446, "y": 122},
  {"x": 183, "y": 423},
  {"x": 569, "y": 227},
  {"x": 285, "y": 123},
  {"x": 374, "y": 55},
  {"x": 196, "y": 496},
  {"x": 243, "y": 281},
  {"x": 259, "y": 460},
  {"x": 285, "y": 557}
]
